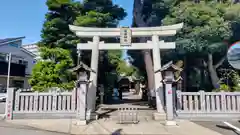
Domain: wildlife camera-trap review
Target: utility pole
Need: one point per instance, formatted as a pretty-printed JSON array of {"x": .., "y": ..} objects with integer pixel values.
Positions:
[
  {"x": 9, "y": 58},
  {"x": 9, "y": 68}
]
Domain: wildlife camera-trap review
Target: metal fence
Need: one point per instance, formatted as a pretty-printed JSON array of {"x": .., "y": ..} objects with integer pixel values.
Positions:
[
  {"x": 208, "y": 105},
  {"x": 41, "y": 104}
]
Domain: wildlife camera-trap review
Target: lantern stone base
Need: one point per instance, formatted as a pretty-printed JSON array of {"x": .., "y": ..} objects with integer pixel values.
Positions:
[
  {"x": 170, "y": 123},
  {"x": 159, "y": 116}
]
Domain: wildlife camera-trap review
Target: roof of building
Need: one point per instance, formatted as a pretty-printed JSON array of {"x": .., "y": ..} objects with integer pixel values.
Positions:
[
  {"x": 28, "y": 52},
  {"x": 169, "y": 65},
  {"x": 7, "y": 40},
  {"x": 32, "y": 44},
  {"x": 82, "y": 65}
]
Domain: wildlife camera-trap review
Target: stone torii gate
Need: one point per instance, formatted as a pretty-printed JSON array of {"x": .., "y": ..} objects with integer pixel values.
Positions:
[{"x": 155, "y": 44}]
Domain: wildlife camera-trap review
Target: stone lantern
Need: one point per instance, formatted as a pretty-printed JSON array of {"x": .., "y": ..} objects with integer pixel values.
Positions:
[
  {"x": 82, "y": 82},
  {"x": 168, "y": 79}
]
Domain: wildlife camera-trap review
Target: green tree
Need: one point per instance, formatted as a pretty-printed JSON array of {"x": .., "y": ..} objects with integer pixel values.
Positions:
[
  {"x": 56, "y": 34},
  {"x": 53, "y": 71},
  {"x": 55, "y": 31},
  {"x": 207, "y": 27},
  {"x": 56, "y": 40},
  {"x": 103, "y": 13}
]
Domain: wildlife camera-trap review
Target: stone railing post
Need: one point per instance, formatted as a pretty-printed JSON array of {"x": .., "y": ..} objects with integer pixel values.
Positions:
[
  {"x": 9, "y": 104},
  {"x": 169, "y": 101},
  {"x": 82, "y": 102}
]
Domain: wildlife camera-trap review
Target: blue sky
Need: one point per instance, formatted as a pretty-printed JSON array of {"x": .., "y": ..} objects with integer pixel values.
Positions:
[{"x": 25, "y": 18}]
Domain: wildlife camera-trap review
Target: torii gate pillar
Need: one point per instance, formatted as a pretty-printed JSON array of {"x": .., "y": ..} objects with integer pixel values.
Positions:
[{"x": 91, "y": 102}]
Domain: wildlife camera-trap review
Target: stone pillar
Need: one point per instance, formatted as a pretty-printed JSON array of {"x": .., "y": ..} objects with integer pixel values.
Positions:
[
  {"x": 9, "y": 104},
  {"x": 157, "y": 75},
  {"x": 82, "y": 102},
  {"x": 91, "y": 100},
  {"x": 169, "y": 99}
]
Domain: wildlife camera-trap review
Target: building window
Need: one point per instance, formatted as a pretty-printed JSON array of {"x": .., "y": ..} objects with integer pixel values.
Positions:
[
  {"x": 13, "y": 45},
  {"x": 2, "y": 58},
  {"x": 25, "y": 63},
  {"x": 20, "y": 61}
]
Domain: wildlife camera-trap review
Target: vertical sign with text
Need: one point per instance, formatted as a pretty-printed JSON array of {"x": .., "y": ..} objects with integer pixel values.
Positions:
[{"x": 125, "y": 36}]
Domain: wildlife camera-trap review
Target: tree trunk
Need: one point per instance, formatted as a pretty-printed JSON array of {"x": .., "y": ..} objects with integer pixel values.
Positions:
[
  {"x": 139, "y": 22},
  {"x": 212, "y": 71},
  {"x": 149, "y": 68},
  {"x": 185, "y": 77}
]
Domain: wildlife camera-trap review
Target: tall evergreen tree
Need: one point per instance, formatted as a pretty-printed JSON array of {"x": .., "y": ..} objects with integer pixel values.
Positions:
[
  {"x": 207, "y": 27},
  {"x": 58, "y": 46},
  {"x": 103, "y": 14},
  {"x": 55, "y": 31},
  {"x": 57, "y": 36}
]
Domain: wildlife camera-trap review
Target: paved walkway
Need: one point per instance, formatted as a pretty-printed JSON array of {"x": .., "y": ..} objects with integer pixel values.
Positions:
[
  {"x": 220, "y": 127},
  {"x": 10, "y": 129},
  {"x": 110, "y": 127},
  {"x": 129, "y": 99},
  {"x": 2, "y": 107}
]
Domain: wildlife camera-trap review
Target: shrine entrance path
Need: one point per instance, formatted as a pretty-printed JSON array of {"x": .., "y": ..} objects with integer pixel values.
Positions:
[{"x": 130, "y": 100}]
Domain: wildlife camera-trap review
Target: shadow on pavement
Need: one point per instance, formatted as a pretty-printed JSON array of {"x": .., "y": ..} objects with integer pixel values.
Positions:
[
  {"x": 219, "y": 127},
  {"x": 106, "y": 114},
  {"x": 117, "y": 132},
  {"x": 13, "y": 126},
  {"x": 228, "y": 128}
]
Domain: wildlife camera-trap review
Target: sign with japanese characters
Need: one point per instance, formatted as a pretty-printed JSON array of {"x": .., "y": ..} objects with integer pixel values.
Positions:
[{"x": 125, "y": 36}]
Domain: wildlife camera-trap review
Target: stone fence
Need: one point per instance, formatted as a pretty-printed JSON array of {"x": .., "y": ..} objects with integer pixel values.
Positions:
[
  {"x": 21, "y": 104},
  {"x": 200, "y": 105}
]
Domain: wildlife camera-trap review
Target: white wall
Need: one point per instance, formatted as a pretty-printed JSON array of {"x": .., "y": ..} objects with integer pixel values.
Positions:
[{"x": 17, "y": 52}]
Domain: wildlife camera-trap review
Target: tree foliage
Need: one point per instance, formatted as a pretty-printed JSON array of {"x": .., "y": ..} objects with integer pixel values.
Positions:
[
  {"x": 53, "y": 71},
  {"x": 207, "y": 27},
  {"x": 57, "y": 38},
  {"x": 103, "y": 13},
  {"x": 55, "y": 32},
  {"x": 204, "y": 25}
]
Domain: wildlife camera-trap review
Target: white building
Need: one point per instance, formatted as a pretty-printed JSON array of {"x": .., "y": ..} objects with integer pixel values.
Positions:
[
  {"x": 22, "y": 62},
  {"x": 33, "y": 48}
]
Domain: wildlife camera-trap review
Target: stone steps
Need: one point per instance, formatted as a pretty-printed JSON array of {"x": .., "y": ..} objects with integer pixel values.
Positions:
[{"x": 143, "y": 115}]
